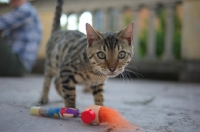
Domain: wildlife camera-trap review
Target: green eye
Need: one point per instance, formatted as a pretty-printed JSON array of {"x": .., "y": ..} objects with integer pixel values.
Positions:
[
  {"x": 101, "y": 55},
  {"x": 121, "y": 55}
]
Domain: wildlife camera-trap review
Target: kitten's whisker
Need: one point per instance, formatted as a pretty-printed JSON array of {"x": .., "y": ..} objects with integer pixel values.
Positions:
[
  {"x": 125, "y": 77},
  {"x": 138, "y": 74},
  {"x": 135, "y": 73},
  {"x": 122, "y": 76},
  {"x": 128, "y": 75},
  {"x": 133, "y": 67},
  {"x": 118, "y": 76}
]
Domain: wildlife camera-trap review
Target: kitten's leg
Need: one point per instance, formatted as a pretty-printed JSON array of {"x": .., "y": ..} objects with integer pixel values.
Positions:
[
  {"x": 46, "y": 86},
  {"x": 68, "y": 89},
  {"x": 98, "y": 94},
  {"x": 69, "y": 93},
  {"x": 58, "y": 86}
]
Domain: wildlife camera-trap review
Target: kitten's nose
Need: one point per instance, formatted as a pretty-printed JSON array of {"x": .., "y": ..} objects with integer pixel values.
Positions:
[{"x": 112, "y": 69}]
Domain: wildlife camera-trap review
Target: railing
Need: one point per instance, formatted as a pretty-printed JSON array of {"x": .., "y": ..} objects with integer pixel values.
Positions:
[
  {"x": 111, "y": 18},
  {"x": 108, "y": 15}
]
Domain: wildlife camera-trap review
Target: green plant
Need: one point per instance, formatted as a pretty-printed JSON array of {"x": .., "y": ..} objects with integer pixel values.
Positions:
[
  {"x": 160, "y": 33},
  {"x": 177, "y": 37},
  {"x": 143, "y": 43}
]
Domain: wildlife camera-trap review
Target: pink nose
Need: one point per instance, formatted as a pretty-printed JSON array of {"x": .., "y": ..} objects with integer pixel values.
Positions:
[{"x": 112, "y": 69}]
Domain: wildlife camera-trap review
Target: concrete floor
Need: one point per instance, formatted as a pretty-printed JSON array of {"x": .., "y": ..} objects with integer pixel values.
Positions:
[{"x": 155, "y": 106}]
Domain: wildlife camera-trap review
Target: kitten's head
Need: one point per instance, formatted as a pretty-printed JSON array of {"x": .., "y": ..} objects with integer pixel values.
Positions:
[{"x": 109, "y": 53}]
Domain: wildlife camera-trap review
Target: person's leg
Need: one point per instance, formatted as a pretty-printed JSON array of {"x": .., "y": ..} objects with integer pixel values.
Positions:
[{"x": 10, "y": 64}]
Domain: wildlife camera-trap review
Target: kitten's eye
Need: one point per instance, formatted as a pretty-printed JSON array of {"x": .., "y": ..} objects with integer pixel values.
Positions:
[
  {"x": 121, "y": 55},
  {"x": 101, "y": 55}
]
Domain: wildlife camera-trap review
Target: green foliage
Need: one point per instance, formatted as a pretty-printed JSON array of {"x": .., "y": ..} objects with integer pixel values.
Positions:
[
  {"x": 160, "y": 34},
  {"x": 143, "y": 43},
  {"x": 177, "y": 37}
]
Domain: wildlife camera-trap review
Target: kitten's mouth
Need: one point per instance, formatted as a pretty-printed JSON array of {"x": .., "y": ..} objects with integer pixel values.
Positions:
[{"x": 112, "y": 74}]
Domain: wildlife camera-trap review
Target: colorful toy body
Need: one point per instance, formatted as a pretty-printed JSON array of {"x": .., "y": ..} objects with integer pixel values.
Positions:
[{"x": 54, "y": 112}]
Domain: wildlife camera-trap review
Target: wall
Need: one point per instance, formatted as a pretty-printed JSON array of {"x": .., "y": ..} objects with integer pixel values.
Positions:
[
  {"x": 191, "y": 30},
  {"x": 46, "y": 19}
]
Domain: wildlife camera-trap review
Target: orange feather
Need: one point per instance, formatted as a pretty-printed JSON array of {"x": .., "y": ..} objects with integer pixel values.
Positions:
[{"x": 114, "y": 119}]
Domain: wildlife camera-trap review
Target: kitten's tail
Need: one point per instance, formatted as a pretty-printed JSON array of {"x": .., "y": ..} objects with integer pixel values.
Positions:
[{"x": 57, "y": 15}]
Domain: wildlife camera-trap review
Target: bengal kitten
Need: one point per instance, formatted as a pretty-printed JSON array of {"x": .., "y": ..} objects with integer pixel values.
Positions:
[{"x": 74, "y": 58}]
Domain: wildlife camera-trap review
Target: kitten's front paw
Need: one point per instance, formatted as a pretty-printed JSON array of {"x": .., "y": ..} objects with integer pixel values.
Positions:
[{"x": 43, "y": 100}]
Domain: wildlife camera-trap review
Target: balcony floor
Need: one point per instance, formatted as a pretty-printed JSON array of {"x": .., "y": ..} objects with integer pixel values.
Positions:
[{"x": 155, "y": 106}]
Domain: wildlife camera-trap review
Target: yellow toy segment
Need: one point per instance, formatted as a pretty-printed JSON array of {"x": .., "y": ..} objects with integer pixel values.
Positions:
[{"x": 34, "y": 111}]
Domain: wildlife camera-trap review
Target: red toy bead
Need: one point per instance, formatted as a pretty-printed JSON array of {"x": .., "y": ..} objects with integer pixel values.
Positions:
[
  {"x": 63, "y": 111},
  {"x": 88, "y": 116}
]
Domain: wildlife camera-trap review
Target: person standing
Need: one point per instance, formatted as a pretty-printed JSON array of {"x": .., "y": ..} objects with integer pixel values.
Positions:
[{"x": 22, "y": 33}]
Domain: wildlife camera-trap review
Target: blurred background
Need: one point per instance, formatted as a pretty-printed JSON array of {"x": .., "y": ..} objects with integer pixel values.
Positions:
[{"x": 166, "y": 32}]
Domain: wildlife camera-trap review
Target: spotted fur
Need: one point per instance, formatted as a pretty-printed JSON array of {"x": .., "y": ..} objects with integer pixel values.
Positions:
[{"x": 74, "y": 58}]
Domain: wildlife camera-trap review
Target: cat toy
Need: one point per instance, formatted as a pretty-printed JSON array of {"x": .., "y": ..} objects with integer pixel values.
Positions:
[
  {"x": 91, "y": 115},
  {"x": 54, "y": 112}
]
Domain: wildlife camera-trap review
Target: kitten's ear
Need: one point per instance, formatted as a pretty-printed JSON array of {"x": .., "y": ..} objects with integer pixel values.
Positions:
[
  {"x": 127, "y": 33},
  {"x": 92, "y": 35}
]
